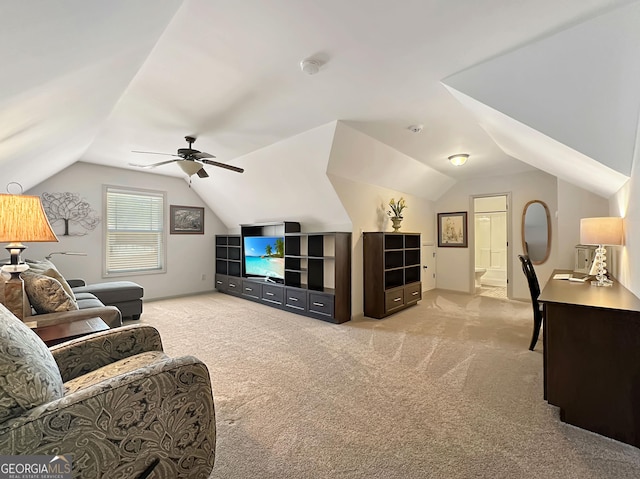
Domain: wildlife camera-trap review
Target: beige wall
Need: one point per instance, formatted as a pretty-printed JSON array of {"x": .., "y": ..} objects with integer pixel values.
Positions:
[
  {"x": 455, "y": 265},
  {"x": 626, "y": 203},
  {"x": 574, "y": 203},
  {"x": 367, "y": 205},
  {"x": 567, "y": 204},
  {"x": 189, "y": 257}
]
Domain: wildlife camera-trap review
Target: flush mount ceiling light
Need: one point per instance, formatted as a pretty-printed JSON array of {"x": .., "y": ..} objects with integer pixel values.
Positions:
[
  {"x": 310, "y": 66},
  {"x": 459, "y": 160}
]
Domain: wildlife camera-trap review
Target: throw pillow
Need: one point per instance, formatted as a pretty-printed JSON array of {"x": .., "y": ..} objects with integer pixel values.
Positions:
[
  {"x": 29, "y": 375},
  {"x": 47, "y": 268},
  {"x": 46, "y": 294}
]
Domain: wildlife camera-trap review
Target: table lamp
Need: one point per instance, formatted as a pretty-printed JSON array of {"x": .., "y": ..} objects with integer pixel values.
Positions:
[
  {"x": 22, "y": 218},
  {"x": 601, "y": 231}
]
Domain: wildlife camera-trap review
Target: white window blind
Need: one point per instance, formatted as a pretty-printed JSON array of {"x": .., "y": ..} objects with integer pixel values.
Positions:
[{"x": 135, "y": 231}]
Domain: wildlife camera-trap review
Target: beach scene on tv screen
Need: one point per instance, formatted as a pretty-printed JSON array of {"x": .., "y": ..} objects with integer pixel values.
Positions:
[{"x": 264, "y": 256}]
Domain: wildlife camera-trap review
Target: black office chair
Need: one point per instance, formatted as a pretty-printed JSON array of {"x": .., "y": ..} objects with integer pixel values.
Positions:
[{"x": 534, "y": 289}]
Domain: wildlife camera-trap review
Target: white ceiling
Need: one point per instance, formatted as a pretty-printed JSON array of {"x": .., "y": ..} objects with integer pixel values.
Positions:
[{"x": 92, "y": 80}]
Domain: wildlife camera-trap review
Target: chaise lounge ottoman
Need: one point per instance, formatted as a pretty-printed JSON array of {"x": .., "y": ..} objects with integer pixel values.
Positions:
[{"x": 124, "y": 295}]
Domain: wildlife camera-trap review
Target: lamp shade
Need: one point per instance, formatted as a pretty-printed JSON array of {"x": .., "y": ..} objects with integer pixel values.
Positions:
[
  {"x": 22, "y": 219},
  {"x": 605, "y": 230}
]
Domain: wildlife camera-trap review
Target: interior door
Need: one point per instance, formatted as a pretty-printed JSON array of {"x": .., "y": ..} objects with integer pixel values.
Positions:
[{"x": 428, "y": 257}]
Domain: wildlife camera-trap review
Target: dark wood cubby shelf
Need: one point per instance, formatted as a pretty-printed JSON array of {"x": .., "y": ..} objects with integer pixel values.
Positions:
[
  {"x": 391, "y": 272},
  {"x": 317, "y": 273}
]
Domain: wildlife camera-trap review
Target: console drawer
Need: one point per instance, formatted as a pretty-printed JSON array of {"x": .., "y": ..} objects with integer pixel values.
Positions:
[
  {"x": 221, "y": 283},
  {"x": 296, "y": 298},
  {"x": 321, "y": 304},
  {"x": 272, "y": 293},
  {"x": 412, "y": 293},
  {"x": 234, "y": 285},
  {"x": 250, "y": 289},
  {"x": 393, "y": 299}
]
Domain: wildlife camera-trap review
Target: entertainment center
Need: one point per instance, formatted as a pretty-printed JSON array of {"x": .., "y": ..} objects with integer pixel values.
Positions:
[{"x": 278, "y": 265}]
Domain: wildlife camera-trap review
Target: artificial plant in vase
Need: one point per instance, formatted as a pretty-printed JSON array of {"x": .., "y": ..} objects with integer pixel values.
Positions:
[{"x": 396, "y": 212}]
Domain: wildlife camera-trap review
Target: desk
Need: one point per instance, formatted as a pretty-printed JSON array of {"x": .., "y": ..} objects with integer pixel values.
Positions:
[
  {"x": 58, "y": 333},
  {"x": 592, "y": 357}
]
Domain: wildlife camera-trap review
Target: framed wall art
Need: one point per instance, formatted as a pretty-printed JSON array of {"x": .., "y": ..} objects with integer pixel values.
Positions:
[
  {"x": 186, "y": 220},
  {"x": 452, "y": 230}
]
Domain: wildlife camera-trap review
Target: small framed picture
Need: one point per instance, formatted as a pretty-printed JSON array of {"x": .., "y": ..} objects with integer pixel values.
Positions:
[
  {"x": 186, "y": 220},
  {"x": 452, "y": 230}
]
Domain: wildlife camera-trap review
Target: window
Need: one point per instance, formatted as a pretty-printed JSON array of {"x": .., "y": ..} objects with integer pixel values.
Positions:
[{"x": 134, "y": 238}]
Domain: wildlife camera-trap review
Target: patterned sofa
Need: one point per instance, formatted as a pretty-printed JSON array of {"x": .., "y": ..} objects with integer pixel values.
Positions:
[{"x": 114, "y": 400}]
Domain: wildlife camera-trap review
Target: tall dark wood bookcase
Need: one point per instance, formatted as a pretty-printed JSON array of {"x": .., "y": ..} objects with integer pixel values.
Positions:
[
  {"x": 391, "y": 272},
  {"x": 317, "y": 276}
]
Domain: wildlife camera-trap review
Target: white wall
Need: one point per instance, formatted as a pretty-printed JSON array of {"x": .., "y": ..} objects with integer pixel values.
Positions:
[
  {"x": 358, "y": 157},
  {"x": 366, "y": 205},
  {"x": 577, "y": 86},
  {"x": 285, "y": 181},
  {"x": 188, "y": 256}
]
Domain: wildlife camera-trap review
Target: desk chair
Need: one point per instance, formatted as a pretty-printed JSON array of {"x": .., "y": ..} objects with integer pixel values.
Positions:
[{"x": 534, "y": 289}]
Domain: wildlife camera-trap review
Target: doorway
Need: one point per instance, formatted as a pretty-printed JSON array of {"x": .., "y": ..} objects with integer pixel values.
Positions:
[
  {"x": 428, "y": 255},
  {"x": 491, "y": 245}
]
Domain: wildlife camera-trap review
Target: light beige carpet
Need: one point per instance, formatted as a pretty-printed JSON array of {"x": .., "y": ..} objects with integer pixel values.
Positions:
[{"x": 445, "y": 389}]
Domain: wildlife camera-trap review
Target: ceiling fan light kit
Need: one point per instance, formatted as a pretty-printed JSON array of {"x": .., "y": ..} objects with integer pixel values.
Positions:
[
  {"x": 190, "y": 167},
  {"x": 189, "y": 160}
]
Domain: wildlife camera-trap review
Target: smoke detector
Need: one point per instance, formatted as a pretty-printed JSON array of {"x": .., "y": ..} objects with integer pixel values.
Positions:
[
  {"x": 310, "y": 66},
  {"x": 416, "y": 128}
]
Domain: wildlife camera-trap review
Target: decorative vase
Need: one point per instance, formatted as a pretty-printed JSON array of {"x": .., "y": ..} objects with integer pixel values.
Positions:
[{"x": 396, "y": 220}]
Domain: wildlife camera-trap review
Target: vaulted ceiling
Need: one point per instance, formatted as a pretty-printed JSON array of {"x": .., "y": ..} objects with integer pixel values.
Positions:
[{"x": 517, "y": 85}]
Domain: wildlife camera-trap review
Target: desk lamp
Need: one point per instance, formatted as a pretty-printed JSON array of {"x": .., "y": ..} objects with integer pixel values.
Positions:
[
  {"x": 601, "y": 231},
  {"x": 22, "y": 218}
]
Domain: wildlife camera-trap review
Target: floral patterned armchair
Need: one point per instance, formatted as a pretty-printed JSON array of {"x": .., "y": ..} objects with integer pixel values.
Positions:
[{"x": 114, "y": 400}]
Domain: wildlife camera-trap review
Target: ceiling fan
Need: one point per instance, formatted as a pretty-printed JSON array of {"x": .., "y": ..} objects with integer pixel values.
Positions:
[{"x": 189, "y": 160}]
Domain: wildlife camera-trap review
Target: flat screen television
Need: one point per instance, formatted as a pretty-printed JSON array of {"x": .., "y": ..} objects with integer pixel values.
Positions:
[{"x": 264, "y": 257}]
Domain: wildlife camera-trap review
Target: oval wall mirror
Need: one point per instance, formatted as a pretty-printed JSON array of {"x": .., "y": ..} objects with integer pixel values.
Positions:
[{"x": 536, "y": 231}]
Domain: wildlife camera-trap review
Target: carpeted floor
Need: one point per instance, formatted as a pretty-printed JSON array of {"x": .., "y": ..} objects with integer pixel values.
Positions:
[{"x": 445, "y": 389}]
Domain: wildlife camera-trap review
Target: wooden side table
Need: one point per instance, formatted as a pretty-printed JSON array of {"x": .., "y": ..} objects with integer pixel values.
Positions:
[{"x": 59, "y": 333}]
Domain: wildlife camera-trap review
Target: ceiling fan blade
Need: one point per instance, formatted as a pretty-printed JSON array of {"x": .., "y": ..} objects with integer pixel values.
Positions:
[
  {"x": 153, "y": 165},
  {"x": 154, "y": 153},
  {"x": 201, "y": 154},
  {"x": 202, "y": 173},
  {"x": 223, "y": 165}
]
